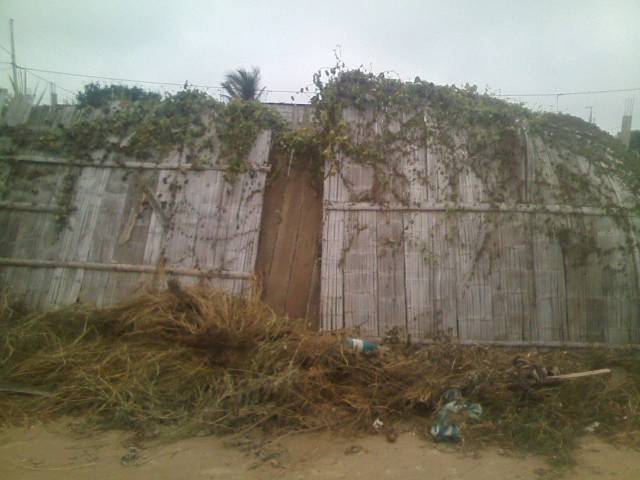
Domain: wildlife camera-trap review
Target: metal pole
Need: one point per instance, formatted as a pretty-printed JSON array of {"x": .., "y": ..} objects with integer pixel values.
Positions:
[
  {"x": 53, "y": 93},
  {"x": 13, "y": 54}
]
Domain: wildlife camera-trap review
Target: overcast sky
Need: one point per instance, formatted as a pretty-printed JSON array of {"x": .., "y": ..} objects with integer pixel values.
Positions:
[{"x": 511, "y": 46}]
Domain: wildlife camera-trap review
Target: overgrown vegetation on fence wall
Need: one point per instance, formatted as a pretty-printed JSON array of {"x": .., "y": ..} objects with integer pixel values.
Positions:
[{"x": 474, "y": 130}]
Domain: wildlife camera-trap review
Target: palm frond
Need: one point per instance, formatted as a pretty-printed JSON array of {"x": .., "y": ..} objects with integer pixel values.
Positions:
[{"x": 243, "y": 84}]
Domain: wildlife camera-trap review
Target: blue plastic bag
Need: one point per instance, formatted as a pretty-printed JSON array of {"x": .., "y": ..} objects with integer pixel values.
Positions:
[{"x": 445, "y": 427}]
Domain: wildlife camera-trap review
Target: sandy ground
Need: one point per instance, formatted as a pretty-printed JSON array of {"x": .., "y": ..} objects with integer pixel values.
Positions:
[{"x": 53, "y": 452}]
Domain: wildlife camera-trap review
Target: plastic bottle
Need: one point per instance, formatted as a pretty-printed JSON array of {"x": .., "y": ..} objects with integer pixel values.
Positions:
[{"x": 360, "y": 345}]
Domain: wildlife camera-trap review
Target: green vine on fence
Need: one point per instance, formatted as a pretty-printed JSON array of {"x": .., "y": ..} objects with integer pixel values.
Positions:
[
  {"x": 394, "y": 117},
  {"x": 150, "y": 130},
  {"x": 369, "y": 119},
  {"x": 472, "y": 132}
]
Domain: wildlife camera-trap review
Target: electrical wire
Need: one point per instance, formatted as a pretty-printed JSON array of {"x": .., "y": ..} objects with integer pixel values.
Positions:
[
  {"x": 298, "y": 92},
  {"x": 148, "y": 82},
  {"x": 5, "y": 49},
  {"x": 49, "y": 81},
  {"x": 564, "y": 94}
]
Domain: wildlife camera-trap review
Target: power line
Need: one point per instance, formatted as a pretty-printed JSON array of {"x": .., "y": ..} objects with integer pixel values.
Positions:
[
  {"x": 132, "y": 80},
  {"x": 114, "y": 79},
  {"x": 563, "y": 94},
  {"x": 49, "y": 81},
  {"x": 298, "y": 92}
]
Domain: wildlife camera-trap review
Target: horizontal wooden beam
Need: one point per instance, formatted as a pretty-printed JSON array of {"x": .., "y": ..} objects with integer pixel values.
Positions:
[
  {"x": 516, "y": 344},
  {"x": 28, "y": 207},
  {"x": 124, "y": 164},
  {"x": 481, "y": 208},
  {"x": 122, "y": 267},
  {"x": 530, "y": 344}
]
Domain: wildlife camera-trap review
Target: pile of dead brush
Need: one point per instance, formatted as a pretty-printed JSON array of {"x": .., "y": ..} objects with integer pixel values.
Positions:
[{"x": 193, "y": 361}]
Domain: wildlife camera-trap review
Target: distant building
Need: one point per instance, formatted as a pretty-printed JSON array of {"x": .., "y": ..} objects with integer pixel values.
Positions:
[{"x": 625, "y": 129}]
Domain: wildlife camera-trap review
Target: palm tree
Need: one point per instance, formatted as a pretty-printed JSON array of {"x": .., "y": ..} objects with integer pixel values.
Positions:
[{"x": 243, "y": 84}]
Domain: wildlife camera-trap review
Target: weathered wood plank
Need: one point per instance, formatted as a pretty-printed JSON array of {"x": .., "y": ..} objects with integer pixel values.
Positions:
[
  {"x": 473, "y": 265},
  {"x": 419, "y": 262},
  {"x": 127, "y": 164},
  {"x": 439, "y": 186},
  {"x": 157, "y": 232},
  {"x": 5, "y": 170},
  {"x": 583, "y": 282},
  {"x": 252, "y": 207},
  {"x": 28, "y": 207},
  {"x": 121, "y": 267},
  {"x": 443, "y": 230},
  {"x": 511, "y": 279},
  {"x": 357, "y": 179},
  {"x": 240, "y": 226},
  {"x": 39, "y": 234},
  {"x": 132, "y": 235},
  {"x": 76, "y": 240},
  {"x": 619, "y": 309},
  {"x": 479, "y": 207},
  {"x": 360, "y": 267},
  {"x": 414, "y": 168},
  {"x": 180, "y": 240},
  {"x": 549, "y": 322},
  {"x": 209, "y": 219},
  {"x": 304, "y": 269},
  {"x": 546, "y": 183},
  {"x": 239, "y": 214},
  {"x": 333, "y": 243},
  {"x": 390, "y": 270},
  {"x": 279, "y": 274},
  {"x": 104, "y": 238},
  {"x": 332, "y": 271}
]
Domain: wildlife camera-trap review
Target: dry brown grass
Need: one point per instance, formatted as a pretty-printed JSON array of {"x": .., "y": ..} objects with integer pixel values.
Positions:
[{"x": 189, "y": 361}]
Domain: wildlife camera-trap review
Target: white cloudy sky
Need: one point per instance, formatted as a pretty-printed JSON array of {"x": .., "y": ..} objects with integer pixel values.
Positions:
[{"x": 510, "y": 46}]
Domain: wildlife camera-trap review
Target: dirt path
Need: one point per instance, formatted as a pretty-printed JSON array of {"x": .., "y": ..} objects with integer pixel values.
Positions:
[{"x": 52, "y": 452}]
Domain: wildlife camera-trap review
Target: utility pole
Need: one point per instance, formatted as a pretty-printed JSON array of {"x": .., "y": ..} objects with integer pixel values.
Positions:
[
  {"x": 590, "y": 108},
  {"x": 53, "y": 93},
  {"x": 13, "y": 54}
]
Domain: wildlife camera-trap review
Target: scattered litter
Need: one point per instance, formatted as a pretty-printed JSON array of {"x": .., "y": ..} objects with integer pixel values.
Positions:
[
  {"x": 592, "y": 428},
  {"x": 450, "y": 417},
  {"x": 377, "y": 425},
  {"x": 360, "y": 345},
  {"x": 531, "y": 372},
  {"x": 197, "y": 361},
  {"x": 353, "y": 449},
  {"x": 390, "y": 433},
  {"x": 131, "y": 456}
]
